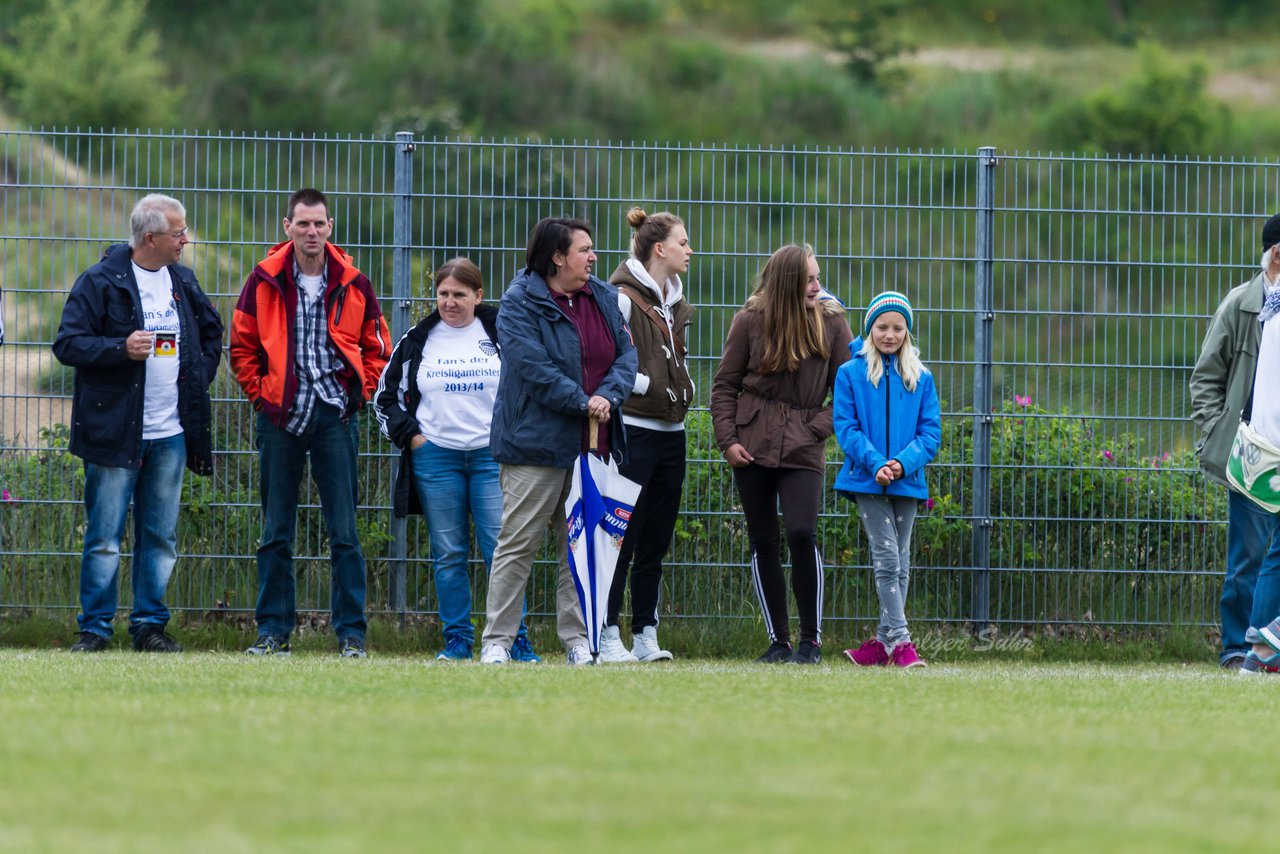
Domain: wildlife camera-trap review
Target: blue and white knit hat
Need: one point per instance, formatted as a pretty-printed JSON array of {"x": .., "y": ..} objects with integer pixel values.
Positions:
[{"x": 887, "y": 301}]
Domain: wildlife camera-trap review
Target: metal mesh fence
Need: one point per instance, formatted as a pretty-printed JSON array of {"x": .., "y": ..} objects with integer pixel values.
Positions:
[{"x": 1060, "y": 303}]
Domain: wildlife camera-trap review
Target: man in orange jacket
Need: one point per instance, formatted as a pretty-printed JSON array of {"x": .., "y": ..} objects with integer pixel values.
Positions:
[{"x": 308, "y": 343}]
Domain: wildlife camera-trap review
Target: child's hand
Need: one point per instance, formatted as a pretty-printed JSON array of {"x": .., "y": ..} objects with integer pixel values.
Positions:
[
  {"x": 884, "y": 476},
  {"x": 895, "y": 468}
]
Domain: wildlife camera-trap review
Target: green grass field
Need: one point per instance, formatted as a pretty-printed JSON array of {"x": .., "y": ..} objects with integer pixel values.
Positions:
[{"x": 215, "y": 752}]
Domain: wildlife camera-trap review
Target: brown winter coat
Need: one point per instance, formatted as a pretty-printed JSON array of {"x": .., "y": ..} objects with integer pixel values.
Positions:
[{"x": 784, "y": 419}]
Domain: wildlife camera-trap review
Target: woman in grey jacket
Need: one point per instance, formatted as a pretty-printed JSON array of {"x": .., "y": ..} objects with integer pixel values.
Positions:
[{"x": 566, "y": 356}]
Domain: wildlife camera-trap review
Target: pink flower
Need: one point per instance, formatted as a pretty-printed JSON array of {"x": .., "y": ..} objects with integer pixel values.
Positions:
[
  {"x": 5, "y": 496},
  {"x": 928, "y": 504},
  {"x": 1107, "y": 455},
  {"x": 1022, "y": 401}
]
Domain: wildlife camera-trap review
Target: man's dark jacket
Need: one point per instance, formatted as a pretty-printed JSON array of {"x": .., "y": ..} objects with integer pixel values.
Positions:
[{"x": 103, "y": 308}]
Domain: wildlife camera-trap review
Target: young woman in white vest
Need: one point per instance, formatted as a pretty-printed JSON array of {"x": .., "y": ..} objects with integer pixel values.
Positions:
[{"x": 651, "y": 297}]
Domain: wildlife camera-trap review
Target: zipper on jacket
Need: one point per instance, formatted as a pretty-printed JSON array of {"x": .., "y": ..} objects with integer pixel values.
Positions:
[{"x": 888, "y": 366}]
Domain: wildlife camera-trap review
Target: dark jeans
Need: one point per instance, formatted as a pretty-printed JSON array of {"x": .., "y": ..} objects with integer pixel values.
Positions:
[
  {"x": 656, "y": 462},
  {"x": 799, "y": 492},
  {"x": 1250, "y": 532},
  {"x": 331, "y": 443}
]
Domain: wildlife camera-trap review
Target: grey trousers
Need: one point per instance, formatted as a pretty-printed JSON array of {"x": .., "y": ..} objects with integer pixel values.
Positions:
[
  {"x": 532, "y": 499},
  {"x": 888, "y": 521}
]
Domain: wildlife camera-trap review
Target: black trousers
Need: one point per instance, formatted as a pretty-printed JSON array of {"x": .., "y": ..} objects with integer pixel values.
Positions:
[
  {"x": 656, "y": 462},
  {"x": 799, "y": 492}
]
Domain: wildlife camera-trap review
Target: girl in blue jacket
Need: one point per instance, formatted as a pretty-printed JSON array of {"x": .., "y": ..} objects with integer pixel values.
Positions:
[{"x": 887, "y": 421}]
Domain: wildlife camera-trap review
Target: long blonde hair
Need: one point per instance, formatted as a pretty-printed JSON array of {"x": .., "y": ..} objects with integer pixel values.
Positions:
[
  {"x": 792, "y": 331},
  {"x": 908, "y": 362}
]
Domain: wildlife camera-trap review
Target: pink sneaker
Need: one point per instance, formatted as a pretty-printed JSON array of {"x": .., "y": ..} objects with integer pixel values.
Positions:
[
  {"x": 870, "y": 654},
  {"x": 905, "y": 655}
]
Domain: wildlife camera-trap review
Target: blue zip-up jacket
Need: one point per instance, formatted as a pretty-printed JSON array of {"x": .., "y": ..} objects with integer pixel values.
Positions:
[
  {"x": 537, "y": 418},
  {"x": 103, "y": 308},
  {"x": 875, "y": 425}
]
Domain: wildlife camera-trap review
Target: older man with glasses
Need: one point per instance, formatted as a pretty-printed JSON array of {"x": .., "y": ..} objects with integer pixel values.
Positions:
[{"x": 145, "y": 343}]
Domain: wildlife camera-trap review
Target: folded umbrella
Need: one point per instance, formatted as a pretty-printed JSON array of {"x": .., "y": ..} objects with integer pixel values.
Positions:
[{"x": 597, "y": 511}]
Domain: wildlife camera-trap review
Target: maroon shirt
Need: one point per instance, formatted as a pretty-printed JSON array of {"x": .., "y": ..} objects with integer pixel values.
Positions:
[{"x": 598, "y": 349}]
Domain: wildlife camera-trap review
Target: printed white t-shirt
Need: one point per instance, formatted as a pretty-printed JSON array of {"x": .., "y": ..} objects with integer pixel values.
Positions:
[
  {"x": 458, "y": 379},
  {"x": 1265, "y": 417},
  {"x": 160, "y": 315}
]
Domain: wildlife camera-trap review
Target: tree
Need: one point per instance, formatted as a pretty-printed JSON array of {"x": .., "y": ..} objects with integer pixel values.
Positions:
[{"x": 89, "y": 63}]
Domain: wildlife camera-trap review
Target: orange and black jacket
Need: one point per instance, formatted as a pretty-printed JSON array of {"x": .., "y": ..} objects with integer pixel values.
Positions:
[{"x": 263, "y": 334}]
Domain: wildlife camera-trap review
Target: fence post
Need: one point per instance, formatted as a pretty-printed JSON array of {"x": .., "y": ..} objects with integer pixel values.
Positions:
[
  {"x": 401, "y": 233},
  {"x": 982, "y": 403}
]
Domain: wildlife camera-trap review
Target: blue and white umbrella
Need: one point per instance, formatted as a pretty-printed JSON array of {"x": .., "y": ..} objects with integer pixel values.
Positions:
[{"x": 597, "y": 511}]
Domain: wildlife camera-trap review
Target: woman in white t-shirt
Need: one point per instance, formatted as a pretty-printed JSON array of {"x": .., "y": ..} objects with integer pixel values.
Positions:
[{"x": 435, "y": 402}]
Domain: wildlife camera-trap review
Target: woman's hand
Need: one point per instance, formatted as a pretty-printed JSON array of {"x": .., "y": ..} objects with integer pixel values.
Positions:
[
  {"x": 599, "y": 408},
  {"x": 738, "y": 456},
  {"x": 417, "y": 441}
]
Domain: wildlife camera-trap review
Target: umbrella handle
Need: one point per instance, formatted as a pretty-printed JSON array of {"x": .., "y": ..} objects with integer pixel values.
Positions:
[{"x": 593, "y": 432}]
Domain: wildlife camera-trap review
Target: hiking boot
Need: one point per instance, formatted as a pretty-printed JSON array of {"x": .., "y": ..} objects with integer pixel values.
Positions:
[
  {"x": 522, "y": 650},
  {"x": 269, "y": 645},
  {"x": 806, "y": 652},
  {"x": 905, "y": 655},
  {"x": 644, "y": 646},
  {"x": 352, "y": 648},
  {"x": 580, "y": 656},
  {"x": 494, "y": 653},
  {"x": 873, "y": 653},
  {"x": 89, "y": 642},
  {"x": 612, "y": 650},
  {"x": 777, "y": 653},
  {"x": 153, "y": 638},
  {"x": 455, "y": 649}
]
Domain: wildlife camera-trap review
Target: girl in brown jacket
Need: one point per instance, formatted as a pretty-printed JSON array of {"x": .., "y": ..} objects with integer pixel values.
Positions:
[{"x": 772, "y": 420}]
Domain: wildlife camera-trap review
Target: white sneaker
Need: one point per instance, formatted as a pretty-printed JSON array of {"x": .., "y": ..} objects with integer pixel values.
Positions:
[
  {"x": 612, "y": 650},
  {"x": 495, "y": 653},
  {"x": 580, "y": 656},
  {"x": 645, "y": 646}
]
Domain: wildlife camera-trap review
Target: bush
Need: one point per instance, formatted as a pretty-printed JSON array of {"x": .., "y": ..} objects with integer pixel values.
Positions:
[
  {"x": 90, "y": 64},
  {"x": 1162, "y": 110}
]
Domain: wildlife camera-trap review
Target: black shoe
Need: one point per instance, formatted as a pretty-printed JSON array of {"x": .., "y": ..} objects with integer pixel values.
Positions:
[
  {"x": 352, "y": 648},
  {"x": 268, "y": 645},
  {"x": 89, "y": 642},
  {"x": 777, "y": 653},
  {"x": 153, "y": 638},
  {"x": 807, "y": 652}
]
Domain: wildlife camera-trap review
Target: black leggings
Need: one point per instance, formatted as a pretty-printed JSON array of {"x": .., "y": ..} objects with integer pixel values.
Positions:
[{"x": 799, "y": 492}]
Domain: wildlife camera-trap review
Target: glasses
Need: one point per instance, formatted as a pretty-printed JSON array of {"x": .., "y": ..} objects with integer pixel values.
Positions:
[{"x": 176, "y": 235}]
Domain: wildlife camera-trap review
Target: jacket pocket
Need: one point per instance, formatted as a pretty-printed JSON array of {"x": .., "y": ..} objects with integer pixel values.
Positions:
[
  {"x": 748, "y": 410},
  {"x": 101, "y": 421},
  {"x": 120, "y": 320}
]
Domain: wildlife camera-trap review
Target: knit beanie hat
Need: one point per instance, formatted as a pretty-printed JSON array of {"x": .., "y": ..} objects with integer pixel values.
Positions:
[
  {"x": 894, "y": 301},
  {"x": 1271, "y": 232}
]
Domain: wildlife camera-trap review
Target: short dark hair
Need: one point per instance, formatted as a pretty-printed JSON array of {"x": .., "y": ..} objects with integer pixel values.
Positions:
[
  {"x": 551, "y": 235},
  {"x": 306, "y": 196}
]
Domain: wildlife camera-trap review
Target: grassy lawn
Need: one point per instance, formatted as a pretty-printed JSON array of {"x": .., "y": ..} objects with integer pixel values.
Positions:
[{"x": 210, "y": 751}]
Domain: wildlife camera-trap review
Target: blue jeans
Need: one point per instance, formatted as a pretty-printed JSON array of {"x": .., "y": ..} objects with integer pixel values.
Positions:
[
  {"x": 452, "y": 486},
  {"x": 154, "y": 490},
  {"x": 1251, "y": 555},
  {"x": 331, "y": 442}
]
